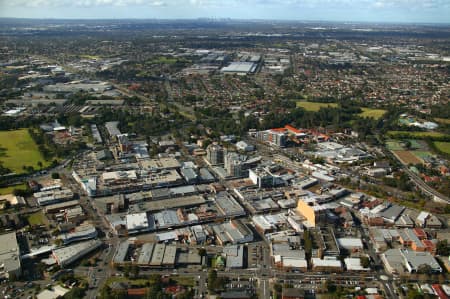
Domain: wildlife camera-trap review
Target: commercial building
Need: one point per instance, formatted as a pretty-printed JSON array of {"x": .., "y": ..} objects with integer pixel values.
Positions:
[
  {"x": 112, "y": 128},
  {"x": 61, "y": 207},
  {"x": 277, "y": 137},
  {"x": 244, "y": 146},
  {"x": 83, "y": 232},
  {"x": 240, "y": 68},
  {"x": 139, "y": 222},
  {"x": 292, "y": 293},
  {"x": 170, "y": 254},
  {"x": 312, "y": 210},
  {"x": 96, "y": 134},
  {"x": 425, "y": 219},
  {"x": 350, "y": 244},
  {"x": 74, "y": 215},
  {"x": 67, "y": 255},
  {"x": 9, "y": 256},
  {"x": 328, "y": 264},
  {"x": 234, "y": 256},
  {"x": 75, "y": 86},
  {"x": 232, "y": 232},
  {"x": 392, "y": 213},
  {"x": 57, "y": 291},
  {"x": 166, "y": 163},
  {"x": 354, "y": 264},
  {"x": 287, "y": 257},
  {"x": 45, "y": 198},
  {"x": 228, "y": 206},
  {"x": 121, "y": 253},
  {"x": 397, "y": 261},
  {"x": 263, "y": 178}
]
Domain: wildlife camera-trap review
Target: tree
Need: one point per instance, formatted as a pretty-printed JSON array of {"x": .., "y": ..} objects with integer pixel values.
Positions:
[
  {"x": 329, "y": 286},
  {"x": 75, "y": 293},
  {"x": 39, "y": 164},
  {"x": 365, "y": 261},
  {"x": 443, "y": 248},
  {"x": 202, "y": 252},
  {"x": 278, "y": 288},
  {"x": 425, "y": 269},
  {"x": 135, "y": 271},
  {"x": 126, "y": 270}
]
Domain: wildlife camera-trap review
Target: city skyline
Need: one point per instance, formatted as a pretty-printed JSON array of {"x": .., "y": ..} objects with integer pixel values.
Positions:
[{"x": 382, "y": 11}]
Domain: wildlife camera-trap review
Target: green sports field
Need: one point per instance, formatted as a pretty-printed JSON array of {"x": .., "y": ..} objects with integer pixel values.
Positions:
[
  {"x": 18, "y": 149},
  {"x": 372, "y": 113},
  {"x": 315, "y": 106},
  {"x": 443, "y": 146},
  {"x": 417, "y": 135}
]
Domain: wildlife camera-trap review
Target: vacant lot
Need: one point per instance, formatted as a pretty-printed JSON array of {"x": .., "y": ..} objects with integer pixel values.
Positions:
[
  {"x": 37, "y": 218},
  {"x": 406, "y": 157},
  {"x": 315, "y": 106},
  {"x": 443, "y": 120},
  {"x": 372, "y": 113},
  {"x": 18, "y": 150},
  {"x": 417, "y": 135},
  {"x": 443, "y": 146}
]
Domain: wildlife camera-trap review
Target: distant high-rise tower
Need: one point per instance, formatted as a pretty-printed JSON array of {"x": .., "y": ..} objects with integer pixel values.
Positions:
[{"x": 214, "y": 154}]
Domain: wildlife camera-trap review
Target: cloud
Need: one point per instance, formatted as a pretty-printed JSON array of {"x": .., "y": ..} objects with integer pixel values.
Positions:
[{"x": 232, "y": 3}]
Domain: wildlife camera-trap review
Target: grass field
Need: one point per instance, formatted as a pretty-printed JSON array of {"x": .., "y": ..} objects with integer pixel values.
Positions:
[
  {"x": 37, "y": 218},
  {"x": 9, "y": 189},
  {"x": 90, "y": 56},
  {"x": 417, "y": 144},
  {"x": 184, "y": 280},
  {"x": 372, "y": 113},
  {"x": 19, "y": 150},
  {"x": 394, "y": 145},
  {"x": 443, "y": 146},
  {"x": 422, "y": 154},
  {"x": 418, "y": 135},
  {"x": 314, "y": 106}
]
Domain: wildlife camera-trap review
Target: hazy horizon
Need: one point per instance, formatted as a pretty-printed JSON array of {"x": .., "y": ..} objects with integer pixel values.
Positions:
[{"x": 364, "y": 11}]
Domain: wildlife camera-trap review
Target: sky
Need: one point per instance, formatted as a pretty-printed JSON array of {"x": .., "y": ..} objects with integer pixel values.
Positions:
[{"x": 393, "y": 11}]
